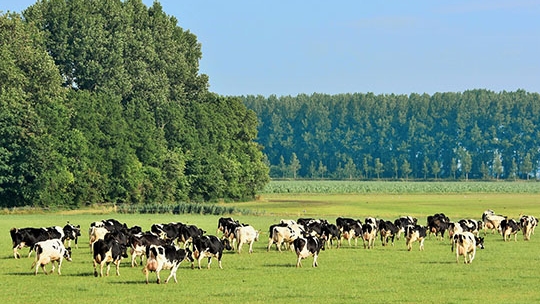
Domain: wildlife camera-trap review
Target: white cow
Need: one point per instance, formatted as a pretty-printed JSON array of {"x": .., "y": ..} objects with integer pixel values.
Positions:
[
  {"x": 246, "y": 235},
  {"x": 165, "y": 257},
  {"x": 50, "y": 251},
  {"x": 465, "y": 244}
]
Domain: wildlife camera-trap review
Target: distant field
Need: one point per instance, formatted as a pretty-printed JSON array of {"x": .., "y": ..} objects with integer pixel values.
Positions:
[{"x": 503, "y": 272}]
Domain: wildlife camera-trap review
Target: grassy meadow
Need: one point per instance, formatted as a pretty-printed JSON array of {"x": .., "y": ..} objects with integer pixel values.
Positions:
[{"x": 503, "y": 272}]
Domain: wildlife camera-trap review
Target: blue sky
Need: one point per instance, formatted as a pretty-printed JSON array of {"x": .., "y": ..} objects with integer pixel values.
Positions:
[{"x": 384, "y": 47}]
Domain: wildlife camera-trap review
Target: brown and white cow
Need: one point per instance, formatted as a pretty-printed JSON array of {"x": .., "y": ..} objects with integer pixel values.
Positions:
[
  {"x": 369, "y": 233},
  {"x": 492, "y": 221},
  {"x": 465, "y": 244},
  {"x": 50, "y": 251}
]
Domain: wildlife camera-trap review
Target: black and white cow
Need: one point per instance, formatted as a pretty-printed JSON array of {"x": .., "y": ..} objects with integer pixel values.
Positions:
[
  {"x": 352, "y": 231},
  {"x": 209, "y": 246},
  {"x": 139, "y": 242},
  {"x": 465, "y": 244},
  {"x": 509, "y": 227},
  {"x": 415, "y": 233},
  {"x": 437, "y": 224},
  {"x": 403, "y": 222},
  {"x": 50, "y": 251},
  {"x": 165, "y": 257},
  {"x": 187, "y": 233},
  {"x": 308, "y": 246},
  {"x": 388, "y": 230},
  {"x": 369, "y": 233},
  {"x": 527, "y": 223},
  {"x": 331, "y": 232},
  {"x": 109, "y": 250},
  {"x": 28, "y": 237},
  {"x": 169, "y": 232},
  {"x": 344, "y": 222},
  {"x": 469, "y": 225},
  {"x": 72, "y": 233}
]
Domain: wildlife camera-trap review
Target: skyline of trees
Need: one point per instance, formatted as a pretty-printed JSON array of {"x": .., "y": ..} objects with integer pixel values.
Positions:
[{"x": 477, "y": 134}]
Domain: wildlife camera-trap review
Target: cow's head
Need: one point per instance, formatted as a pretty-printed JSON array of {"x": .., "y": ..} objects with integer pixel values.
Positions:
[
  {"x": 67, "y": 254},
  {"x": 479, "y": 242},
  {"x": 226, "y": 244}
]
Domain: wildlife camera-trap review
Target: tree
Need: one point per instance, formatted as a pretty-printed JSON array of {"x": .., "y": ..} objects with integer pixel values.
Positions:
[
  {"x": 527, "y": 166},
  {"x": 378, "y": 168},
  {"x": 435, "y": 168},
  {"x": 294, "y": 165},
  {"x": 405, "y": 169},
  {"x": 466, "y": 164},
  {"x": 497, "y": 165}
]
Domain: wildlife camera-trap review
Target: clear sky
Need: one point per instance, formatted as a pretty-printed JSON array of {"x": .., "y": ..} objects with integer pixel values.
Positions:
[{"x": 402, "y": 47}]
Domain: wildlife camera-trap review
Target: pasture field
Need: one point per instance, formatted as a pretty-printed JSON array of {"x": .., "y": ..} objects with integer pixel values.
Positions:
[{"x": 503, "y": 272}]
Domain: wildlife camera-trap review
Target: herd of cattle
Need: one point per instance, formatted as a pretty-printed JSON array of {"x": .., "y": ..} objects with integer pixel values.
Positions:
[{"x": 165, "y": 246}]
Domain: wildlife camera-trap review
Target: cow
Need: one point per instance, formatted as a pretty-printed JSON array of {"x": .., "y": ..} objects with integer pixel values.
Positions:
[
  {"x": 246, "y": 235},
  {"x": 28, "y": 237},
  {"x": 308, "y": 246},
  {"x": 281, "y": 233},
  {"x": 315, "y": 227},
  {"x": 332, "y": 232},
  {"x": 227, "y": 223},
  {"x": 96, "y": 233},
  {"x": 465, "y": 244},
  {"x": 165, "y": 257},
  {"x": 188, "y": 232},
  {"x": 414, "y": 233},
  {"x": 369, "y": 233},
  {"x": 110, "y": 249},
  {"x": 469, "y": 225},
  {"x": 509, "y": 227},
  {"x": 139, "y": 242},
  {"x": 344, "y": 222},
  {"x": 168, "y": 232},
  {"x": 387, "y": 229},
  {"x": 403, "y": 222},
  {"x": 50, "y": 251},
  {"x": 209, "y": 246},
  {"x": 527, "y": 224},
  {"x": 72, "y": 233},
  {"x": 437, "y": 224},
  {"x": 492, "y": 221},
  {"x": 351, "y": 231}
]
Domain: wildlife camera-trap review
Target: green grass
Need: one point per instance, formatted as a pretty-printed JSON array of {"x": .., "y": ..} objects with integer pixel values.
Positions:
[{"x": 503, "y": 272}]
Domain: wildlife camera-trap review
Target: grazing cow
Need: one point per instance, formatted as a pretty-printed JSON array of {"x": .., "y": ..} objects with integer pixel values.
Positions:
[
  {"x": 307, "y": 246},
  {"x": 139, "y": 242},
  {"x": 527, "y": 223},
  {"x": 353, "y": 230},
  {"x": 344, "y": 222},
  {"x": 110, "y": 249},
  {"x": 387, "y": 230},
  {"x": 187, "y": 233},
  {"x": 369, "y": 233},
  {"x": 331, "y": 232},
  {"x": 413, "y": 234},
  {"x": 165, "y": 257},
  {"x": 465, "y": 244},
  {"x": 509, "y": 227},
  {"x": 469, "y": 225},
  {"x": 492, "y": 221},
  {"x": 437, "y": 224},
  {"x": 72, "y": 233},
  {"x": 28, "y": 237},
  {"x": 96, "y": 233},
  {"x": 246, "y": 235},
  {"x": 50, "y": 251},
  {"x": 209, "y": 246},
  {"x": 169, "y": 232},
  {"x": 281, "y": 233},
  {"x": 403, "y": 222}
]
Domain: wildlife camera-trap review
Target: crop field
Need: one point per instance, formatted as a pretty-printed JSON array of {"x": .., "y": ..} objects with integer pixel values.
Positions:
[{"x": 502, "y": 272}]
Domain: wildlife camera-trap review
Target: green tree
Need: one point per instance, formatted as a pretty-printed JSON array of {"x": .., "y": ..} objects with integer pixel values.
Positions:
[
  {"x": 294, "y": 165},
  {"x": 435, "y": 169}
]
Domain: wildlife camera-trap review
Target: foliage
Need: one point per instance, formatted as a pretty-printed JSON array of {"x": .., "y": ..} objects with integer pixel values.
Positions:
[
  {"x": 102, "y": 101},
  {"x": 477, "y": 134}
]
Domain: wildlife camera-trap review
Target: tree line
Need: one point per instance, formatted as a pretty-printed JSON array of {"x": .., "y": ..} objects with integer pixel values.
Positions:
[
  {"x": 476, "y": 134},
  {"x": 102, "y": 101}
]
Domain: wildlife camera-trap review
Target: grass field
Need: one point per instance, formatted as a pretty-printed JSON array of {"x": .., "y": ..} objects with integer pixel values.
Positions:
[{"x": 503, "y": 272}]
